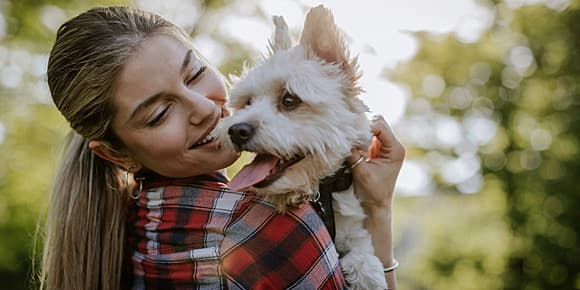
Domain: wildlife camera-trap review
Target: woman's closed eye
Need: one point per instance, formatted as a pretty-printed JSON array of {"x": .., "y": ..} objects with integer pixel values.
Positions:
[
  {"x": 159, "y": 118},
  {"x": 196, "y": 76}
]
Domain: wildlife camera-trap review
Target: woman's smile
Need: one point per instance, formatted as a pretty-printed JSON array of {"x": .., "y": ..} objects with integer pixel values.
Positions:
[
  {"x": 166, "y": 86},
  {"x": 209, "y": 135}
]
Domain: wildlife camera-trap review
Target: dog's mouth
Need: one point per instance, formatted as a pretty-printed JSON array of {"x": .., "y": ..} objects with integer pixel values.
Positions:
[{"x": 262, "y": 171}]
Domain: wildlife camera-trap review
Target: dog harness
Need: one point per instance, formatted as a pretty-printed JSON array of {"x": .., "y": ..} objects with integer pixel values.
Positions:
[{"x": 341, "y": 180}]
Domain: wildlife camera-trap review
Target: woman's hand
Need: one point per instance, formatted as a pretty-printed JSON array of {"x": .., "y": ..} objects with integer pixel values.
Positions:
[
  {"x": 375, "y": 176},
  {"x": 374, "y": 179}
]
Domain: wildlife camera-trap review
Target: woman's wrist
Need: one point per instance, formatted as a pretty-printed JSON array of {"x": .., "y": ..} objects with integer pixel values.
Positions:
[
  {"x": 380, "y": 206},
  {"x": 378, "y": 216},
  {"x": 373, "y": 205},
  {"x": 392, "y": 267},
  {"x": 379, "y": 224}
]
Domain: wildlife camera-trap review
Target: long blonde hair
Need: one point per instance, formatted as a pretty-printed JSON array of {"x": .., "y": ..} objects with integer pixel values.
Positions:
[{"x": 84, "y": 234}]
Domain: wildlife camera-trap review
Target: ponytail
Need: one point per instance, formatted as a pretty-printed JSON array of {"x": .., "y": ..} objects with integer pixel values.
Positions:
[
  {"x": 85, "y": 228},
  {"x": 84, "y": 234}
]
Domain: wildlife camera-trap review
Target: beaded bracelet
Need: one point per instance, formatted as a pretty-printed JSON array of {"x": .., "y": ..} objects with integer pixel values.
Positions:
[{"x": 392, "y": 267}]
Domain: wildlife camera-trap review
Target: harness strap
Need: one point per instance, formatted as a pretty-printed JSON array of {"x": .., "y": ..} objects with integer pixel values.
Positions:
[{"x": 341, "y": 180}]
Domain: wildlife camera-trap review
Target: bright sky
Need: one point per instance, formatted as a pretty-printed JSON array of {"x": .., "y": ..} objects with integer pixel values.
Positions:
[{"x": 378, "y": 33}]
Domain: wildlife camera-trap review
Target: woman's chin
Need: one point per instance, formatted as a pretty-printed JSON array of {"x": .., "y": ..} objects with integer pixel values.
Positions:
[{"x": 225, "y": 158}]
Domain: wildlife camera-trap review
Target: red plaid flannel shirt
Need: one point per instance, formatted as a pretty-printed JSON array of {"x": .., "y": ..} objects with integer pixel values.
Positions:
[{"x": 194, "y": 233}]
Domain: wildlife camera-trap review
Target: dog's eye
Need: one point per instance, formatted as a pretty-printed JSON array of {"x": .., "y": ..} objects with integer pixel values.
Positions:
[{"x": 290, "y": 102}]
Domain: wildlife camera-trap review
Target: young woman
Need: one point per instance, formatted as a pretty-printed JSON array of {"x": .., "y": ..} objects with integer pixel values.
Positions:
[{"x": 141, "y": 201}]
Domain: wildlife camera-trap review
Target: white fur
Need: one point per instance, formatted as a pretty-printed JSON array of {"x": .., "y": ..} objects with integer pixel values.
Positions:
[{"x": 328, "y": 123}]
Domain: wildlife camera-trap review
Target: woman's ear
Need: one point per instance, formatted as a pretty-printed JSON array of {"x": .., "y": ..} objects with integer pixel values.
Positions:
[{"x": 121, "y": 159}]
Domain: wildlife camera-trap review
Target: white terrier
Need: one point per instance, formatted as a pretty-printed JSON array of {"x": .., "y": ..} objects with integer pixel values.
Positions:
[{"x": 298, "y": 111}]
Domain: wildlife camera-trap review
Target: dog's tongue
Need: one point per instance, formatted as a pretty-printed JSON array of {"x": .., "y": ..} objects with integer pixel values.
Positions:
[{"x": 256, "y": 171}]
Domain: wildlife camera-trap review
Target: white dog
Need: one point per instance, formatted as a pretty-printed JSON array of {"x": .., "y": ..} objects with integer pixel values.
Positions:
[{"x": 298, "y": 111}]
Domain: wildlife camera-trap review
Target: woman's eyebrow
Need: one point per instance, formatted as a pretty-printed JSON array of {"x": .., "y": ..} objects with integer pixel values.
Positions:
[
  {"x": 186, "y": 61},
  {"x": 148, "y": 102}
]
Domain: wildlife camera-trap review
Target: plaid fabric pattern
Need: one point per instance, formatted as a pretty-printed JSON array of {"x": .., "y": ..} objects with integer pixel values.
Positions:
[{"x": 194, "y": 233}]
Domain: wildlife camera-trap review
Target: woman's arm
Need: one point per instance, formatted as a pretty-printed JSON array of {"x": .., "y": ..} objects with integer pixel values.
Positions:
[{"x": 374, "y": 181}]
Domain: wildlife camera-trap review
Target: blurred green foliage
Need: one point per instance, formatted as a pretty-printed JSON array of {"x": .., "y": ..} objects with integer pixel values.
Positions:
[
  {"x": 524, "y": 75},
  {"x": 520, "y": 231}
]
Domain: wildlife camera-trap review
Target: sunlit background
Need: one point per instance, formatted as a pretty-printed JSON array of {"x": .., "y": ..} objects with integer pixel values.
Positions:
[{"x": 484, "y": 95}]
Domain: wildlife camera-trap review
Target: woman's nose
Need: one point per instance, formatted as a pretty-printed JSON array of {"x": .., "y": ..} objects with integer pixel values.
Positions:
[{"x": 202, "y": 108}]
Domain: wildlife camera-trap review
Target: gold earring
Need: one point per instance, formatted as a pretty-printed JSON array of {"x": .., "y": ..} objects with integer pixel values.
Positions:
[{"x": 139, "y": 179}]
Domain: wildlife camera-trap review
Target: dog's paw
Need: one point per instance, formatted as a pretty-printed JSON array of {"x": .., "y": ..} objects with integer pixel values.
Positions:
[{"x": 363, "y": 271}]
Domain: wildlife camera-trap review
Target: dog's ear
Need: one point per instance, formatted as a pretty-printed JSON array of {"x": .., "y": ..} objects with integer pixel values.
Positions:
[
  {"x": 323, "y": 38},
  {"x": 234, "y": 79},
  {"x": 281, "y": 38}
]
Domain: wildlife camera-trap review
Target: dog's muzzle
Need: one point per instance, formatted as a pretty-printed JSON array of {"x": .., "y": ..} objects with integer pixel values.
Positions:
[{"x": 241, "y": 133}]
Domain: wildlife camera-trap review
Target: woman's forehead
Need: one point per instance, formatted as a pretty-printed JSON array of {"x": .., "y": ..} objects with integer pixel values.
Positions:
[
  {"x": 158, "y": 57},
  {"x": 159, "y": 51}
]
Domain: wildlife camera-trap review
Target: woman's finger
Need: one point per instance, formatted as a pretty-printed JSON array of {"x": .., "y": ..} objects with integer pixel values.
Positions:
[
  {"x": 356, "y": 157},
  {"x": 383, "y": 131}
]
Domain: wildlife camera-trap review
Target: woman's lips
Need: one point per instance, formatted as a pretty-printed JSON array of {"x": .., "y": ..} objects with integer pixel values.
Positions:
[
  {"x": 208, "y": 139},
  {"x": 213, "y": 142}
]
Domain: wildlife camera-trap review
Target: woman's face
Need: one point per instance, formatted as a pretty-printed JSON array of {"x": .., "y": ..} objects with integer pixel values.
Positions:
[{"x": 167, "y": 104}]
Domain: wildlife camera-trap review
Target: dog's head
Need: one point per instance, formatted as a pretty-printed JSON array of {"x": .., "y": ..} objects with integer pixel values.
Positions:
[{"x": 298, "y": 109}]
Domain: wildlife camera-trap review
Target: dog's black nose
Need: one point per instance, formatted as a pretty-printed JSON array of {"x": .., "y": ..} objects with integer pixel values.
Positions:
[{"x": 240, "y": 133}]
